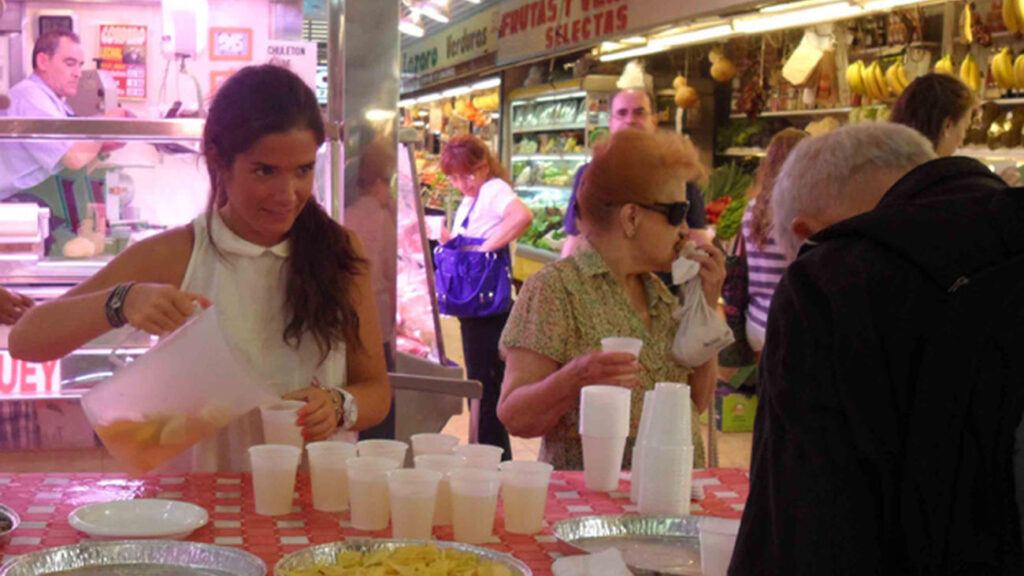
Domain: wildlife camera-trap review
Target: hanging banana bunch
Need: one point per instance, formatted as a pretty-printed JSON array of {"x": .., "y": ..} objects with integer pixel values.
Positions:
[
  {"x": 945, "y": 65},
  {"x": 969, "y": 73},
  {"x": 1003, "y": 69},
  {"x": 896, "y": 78}
]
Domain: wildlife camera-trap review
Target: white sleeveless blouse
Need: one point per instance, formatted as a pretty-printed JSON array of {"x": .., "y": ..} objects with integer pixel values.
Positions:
[{"x": 246, "y": 284}]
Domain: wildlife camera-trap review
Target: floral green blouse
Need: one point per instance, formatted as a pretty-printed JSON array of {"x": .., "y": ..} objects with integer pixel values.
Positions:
[{"x": 564, "y": 310}]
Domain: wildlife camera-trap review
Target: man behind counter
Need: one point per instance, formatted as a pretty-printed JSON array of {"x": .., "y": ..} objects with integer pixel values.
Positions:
[{"x": 57, "y": 60}]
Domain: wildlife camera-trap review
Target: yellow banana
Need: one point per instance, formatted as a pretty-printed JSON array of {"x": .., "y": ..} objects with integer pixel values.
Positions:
[
  {"x": 969, "y": 73},
  {"x": 1018, "y": 71},
  {"x": 1010, "y": 16},
  {"x": 854, "y": 78},
  {"x": 1002, "y": 69},
  {"x": 945, "y": 65},
  {"x": 883, "y": 88},
  {"x": 901, "y": 75},
  {"x": 893, "y": 80},
  {"x": 965, "y": 20},
  {"x": 869, "y": 84}
]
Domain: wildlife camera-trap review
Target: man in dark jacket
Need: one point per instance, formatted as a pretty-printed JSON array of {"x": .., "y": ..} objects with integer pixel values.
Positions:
[{"x": 884, "y": 436}]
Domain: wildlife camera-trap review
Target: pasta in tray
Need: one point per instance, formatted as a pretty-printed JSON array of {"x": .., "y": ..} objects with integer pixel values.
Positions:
[{"x": 406, "y": 561}]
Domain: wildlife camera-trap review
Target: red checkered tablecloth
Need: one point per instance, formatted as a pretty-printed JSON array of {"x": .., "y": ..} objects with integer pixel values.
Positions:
[{"x": 44, "y": 501}]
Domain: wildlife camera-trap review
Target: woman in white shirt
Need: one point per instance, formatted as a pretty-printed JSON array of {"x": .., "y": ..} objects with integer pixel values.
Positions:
[
  {"x": 490, "y": 211},
  {"x": 291, "y": 287}
]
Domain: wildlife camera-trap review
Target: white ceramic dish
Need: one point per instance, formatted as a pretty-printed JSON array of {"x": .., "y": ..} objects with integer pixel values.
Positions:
[{"x": 143, "y": 518}]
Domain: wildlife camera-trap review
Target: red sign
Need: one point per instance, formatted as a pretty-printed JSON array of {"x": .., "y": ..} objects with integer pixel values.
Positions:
[
  {"x": 19, "y": 378},
  {"x": 123, "y": 54}
]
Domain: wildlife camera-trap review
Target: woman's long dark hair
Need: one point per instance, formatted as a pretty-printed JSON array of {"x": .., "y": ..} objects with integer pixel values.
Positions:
[
  {"x": 255, "y": 102},
  {"x": 930, "y": 101}
]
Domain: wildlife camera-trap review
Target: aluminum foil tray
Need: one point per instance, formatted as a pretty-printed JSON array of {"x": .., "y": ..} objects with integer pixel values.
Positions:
[
  {"x": 649, "y": 544},
  {"x": 9, "y": 522},
  {"x": 326, "y": 553},
  {"x": 136, "y": 558}
]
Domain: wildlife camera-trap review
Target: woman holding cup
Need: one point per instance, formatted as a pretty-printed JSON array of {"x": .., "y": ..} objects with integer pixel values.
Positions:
[{"x": 633, "y": 207}]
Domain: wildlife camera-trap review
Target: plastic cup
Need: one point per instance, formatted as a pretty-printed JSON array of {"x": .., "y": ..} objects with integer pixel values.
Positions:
[
  {"x": 717, "y": 540},
  {"x": 670, "y": 421},
  {"x": 602, "y": 462},
  {"x": 433, "y": 444},
  {"x": 273, "y": 477},
  {"x": 280, "y": 423},
  {"x": 604, "y": 411},
  {"x": 443, "y": 463},
  {"x": 390, "y": 449},
  {"x": 524, "y": 492},
  {"x": 328, "y": 474},
  {"x": 413, "y": 496},
  {"x": 636, "y": 465},
  {"x": 622, "y": 344},
  {"x": 368, "y": 491},
  {"x": 483, "y": 456},
  {"x": 474, "y": 503},
  {"x": 666, "y": 481}
]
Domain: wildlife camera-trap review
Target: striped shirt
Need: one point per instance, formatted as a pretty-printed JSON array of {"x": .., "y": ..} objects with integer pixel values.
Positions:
[{"x": 765, "y": 267}]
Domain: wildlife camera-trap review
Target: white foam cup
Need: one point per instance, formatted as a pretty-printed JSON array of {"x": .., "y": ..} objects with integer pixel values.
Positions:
[
  {"x": 622, "y": 344},
  {"x": 670, "y": 422},
  {"x": 328, "y": 475},
  {"x": 280, "y": 423},
  {"x": 474, "y": 503},
  {"x": 717, "y": 540},
  {"x": 368, "y": 491},
  {"x": 666, "y": 481},
  {"x": 433, "y": 444},
  {"x": 273, "y": 477},
  {"x": 524, "y": 491},
  {"x": 391, "y": 449},
  {"x": 636, "y": 463},
  {"x": 602, "y": 462},
  {"x": 443, "y": 463},
  {"x": 413, "y": 494},
  {"x": 604, "y": 411},
  {"x": 482, "y": 456}
]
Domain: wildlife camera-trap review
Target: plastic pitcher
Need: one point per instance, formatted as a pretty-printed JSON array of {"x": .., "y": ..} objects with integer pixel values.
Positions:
[{"x": 179, "y": 393}]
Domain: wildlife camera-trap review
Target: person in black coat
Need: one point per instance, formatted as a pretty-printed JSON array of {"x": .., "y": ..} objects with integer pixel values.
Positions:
[{"x": 889, "y": 399}]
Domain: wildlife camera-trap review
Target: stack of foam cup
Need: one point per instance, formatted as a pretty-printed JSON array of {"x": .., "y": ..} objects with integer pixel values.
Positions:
[
  {"x": 641, "y": 437},
  {"x": 666, "y": 457},
  {"x": 604, "y": 427}
]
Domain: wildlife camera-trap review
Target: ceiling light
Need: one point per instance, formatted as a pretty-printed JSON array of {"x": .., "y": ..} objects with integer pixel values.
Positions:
[
  {"x": 631, "y": 53},
  {"x": 879, "y": 5},
  {"x": 375, "y": 114},
  {"x": 436, "y": 10},
  {"x": 487, "y": 84},
  {"x": 634, "y": 40},
  {"x": 454, "y": 92},
  {"x": 473, "y": 1},
  {"x": 406, "y": 103},
  {"x": 786, "y": 6},
  {"x": 693, "y": 36},
  {"x": 796, "y": 18},
  {"x": 611, "y": 46},
  {"x": 429, "y": 98},
  {"x": 411, "y": 24}
]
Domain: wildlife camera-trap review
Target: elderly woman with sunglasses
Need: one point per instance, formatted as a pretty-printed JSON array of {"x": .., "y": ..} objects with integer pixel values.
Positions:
[{"x": 633, "y": 206}]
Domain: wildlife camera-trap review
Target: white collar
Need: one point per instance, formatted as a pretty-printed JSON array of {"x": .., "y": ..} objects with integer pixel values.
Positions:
[{"x": 228, "y": 241}]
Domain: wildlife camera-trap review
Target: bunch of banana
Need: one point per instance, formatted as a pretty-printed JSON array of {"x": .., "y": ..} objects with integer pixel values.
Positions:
[
  {"x": 896, "y": 78},
  {"x": 1018, "y": 71},
  {"x": 855, "y": 78},
  {"x": 945, "y": 65},
  {"x": 969, "y": 73},
  {"x": 1013, "y": 15},
  {"x": 1003, "y": 71},
  {"x": 967, "y": 24},
  {"x": 874, "y": 82}
]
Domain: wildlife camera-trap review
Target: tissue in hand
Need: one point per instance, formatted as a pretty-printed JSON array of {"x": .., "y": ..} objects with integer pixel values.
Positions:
[
  {"x": 606, "y": 563},
  {"x": 683, "y": 268}
]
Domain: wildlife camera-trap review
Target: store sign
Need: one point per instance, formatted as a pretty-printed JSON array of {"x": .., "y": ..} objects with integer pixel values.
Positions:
[
  {"x": 458, "y": 43},
  {"x": 299, "y": 57},
  {"x": 20, "y": 378},
  {"x": 123, "y": 56},
  {"x": 530, "y": 28}
]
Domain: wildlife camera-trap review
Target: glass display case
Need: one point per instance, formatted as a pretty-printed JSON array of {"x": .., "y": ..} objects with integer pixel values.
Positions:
[{"x": 552, "y": 129}]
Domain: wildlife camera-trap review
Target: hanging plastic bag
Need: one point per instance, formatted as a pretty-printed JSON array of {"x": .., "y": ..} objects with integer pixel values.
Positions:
[{"x": 702, "y": 333}]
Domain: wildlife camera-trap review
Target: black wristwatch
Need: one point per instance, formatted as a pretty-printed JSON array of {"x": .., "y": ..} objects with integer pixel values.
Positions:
[{"x": 115, "y": 304}]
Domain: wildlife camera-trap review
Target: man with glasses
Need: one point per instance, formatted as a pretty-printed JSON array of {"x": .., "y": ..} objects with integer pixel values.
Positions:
[{"x": 633, "y": 109}]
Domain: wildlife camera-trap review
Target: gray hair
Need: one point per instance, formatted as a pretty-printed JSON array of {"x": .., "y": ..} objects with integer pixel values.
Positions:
[{"x": 821, "y": 174}]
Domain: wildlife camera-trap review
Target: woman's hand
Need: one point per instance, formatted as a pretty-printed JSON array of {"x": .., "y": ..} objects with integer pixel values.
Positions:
[
  {"x": 160, "y": 308},
  {"x": 12, "y": 306},
  {"x": 317, "y": 417},
  {"x": 712, "y": 272},
  {"x": 610, "y": 368}
]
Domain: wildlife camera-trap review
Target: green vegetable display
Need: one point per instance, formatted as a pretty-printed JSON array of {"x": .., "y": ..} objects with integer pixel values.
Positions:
[
  {"x": 727, "y": 181},
  {"x": 728, "y": 224}
]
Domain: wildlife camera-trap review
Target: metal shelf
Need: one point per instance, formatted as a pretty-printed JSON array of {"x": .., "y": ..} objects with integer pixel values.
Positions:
[
  {"x": 786, "y": 113},
  {"x": 1008, "y": 101},
  {"x": 884, "y": 51},
  {"x": 115, "y": 129},
  {"x": 551, "y": 128},
  {"x": 997, "y": 155},
  {"x": 575, "y": 157},
  {"x": 743, "y": 152}
]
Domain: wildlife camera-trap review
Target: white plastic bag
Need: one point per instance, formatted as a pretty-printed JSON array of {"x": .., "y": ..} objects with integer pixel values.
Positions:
[{"x": 702, "y": 333}]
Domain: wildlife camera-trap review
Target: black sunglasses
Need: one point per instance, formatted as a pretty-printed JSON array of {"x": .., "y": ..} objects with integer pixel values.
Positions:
[{"x": 674, "y": 211}]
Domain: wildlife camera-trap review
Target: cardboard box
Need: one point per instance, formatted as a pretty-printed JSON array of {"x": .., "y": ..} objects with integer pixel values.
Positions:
[{"x": 735, "y": 412}]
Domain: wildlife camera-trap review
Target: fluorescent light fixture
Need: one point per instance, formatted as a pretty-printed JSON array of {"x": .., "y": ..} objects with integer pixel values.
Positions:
[
  {"x": 879, "y": 5},
  {"x": 797, "y": 18},
  {"x": 436, "y": 10},
  {"x": 454, "y": 92},
  {"x": 376, "y": 114},
  {"x": 693, "y": 36},
  {"x": 419, "y": 123},
  {"x": 429, "y": 98},
  {"x": 473, "y": 1},
  {"x": 634, "y": 40},
  {"x": 786, "y": 6},
  {"x": 611, "y": 46},
  {"x": 487, "y": 84},
  {"x": 567, "y": 96},
  {"x": 424, "y": 112},
  {"x": 406, "y": 103},
  {"x": 411, "y": 24},
  {"x": 550, "y": 157},
  {"x": 631, "y": 53}
]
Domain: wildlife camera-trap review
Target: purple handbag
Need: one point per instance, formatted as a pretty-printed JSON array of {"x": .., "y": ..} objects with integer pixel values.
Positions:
[{"x": 472, "y": 284}]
